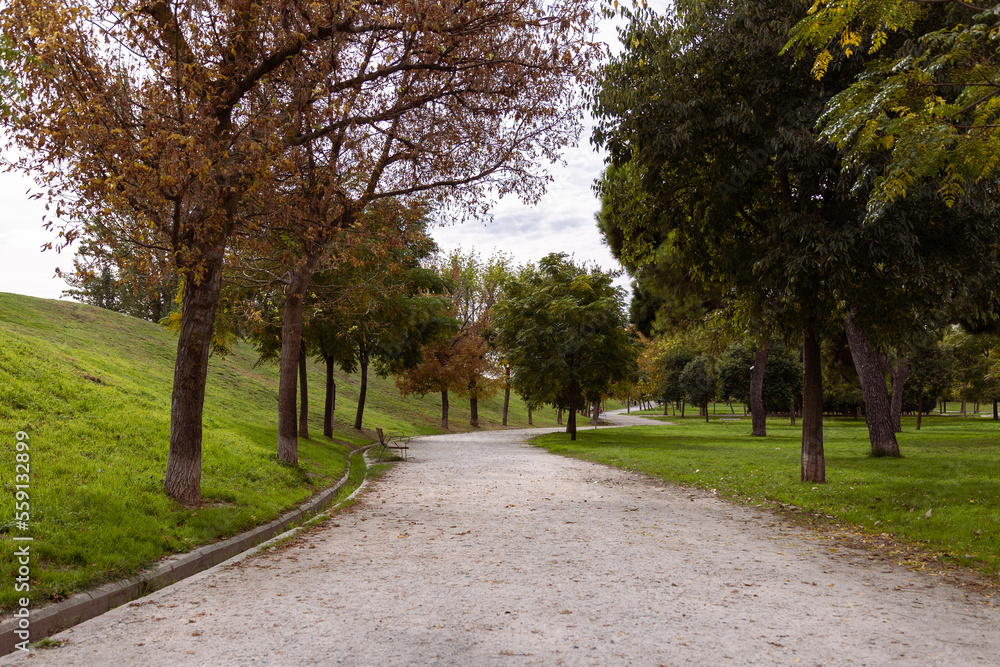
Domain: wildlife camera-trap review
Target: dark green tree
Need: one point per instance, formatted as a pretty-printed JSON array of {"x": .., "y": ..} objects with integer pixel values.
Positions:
[
  {"x": 698, "y": 381},
  {"x": 564, "y": 329},
  {"x": 673, "y": 363},
  {"x": 782, "y": 378}
]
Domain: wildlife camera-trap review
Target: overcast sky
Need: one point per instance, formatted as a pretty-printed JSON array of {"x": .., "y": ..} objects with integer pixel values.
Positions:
[{"x": 562, "y": 222}]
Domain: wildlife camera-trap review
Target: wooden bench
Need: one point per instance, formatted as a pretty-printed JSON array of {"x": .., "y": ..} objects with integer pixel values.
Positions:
[{"x": 385, "y": 442}]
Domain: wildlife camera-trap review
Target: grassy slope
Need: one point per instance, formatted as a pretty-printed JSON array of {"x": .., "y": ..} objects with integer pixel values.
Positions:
[
  {"x": 92, "y": 390},
  {"x": 948, "y": 468}
]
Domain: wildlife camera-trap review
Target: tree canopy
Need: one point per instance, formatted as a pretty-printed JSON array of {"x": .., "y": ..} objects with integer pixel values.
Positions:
[
  {"x": 564, "y": 329},
  {"x": 197, "y": 118}
]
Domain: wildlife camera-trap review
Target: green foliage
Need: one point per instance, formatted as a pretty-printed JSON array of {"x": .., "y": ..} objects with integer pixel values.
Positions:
[
  {"x": 116, "y": 271},
  {"x": 698, "y": 381},
  {"x": 563, "y": 328},
  {"x": 931, "y": 371},
  {"x": 782, "y": 375},
  {"x": 673, "y": 362},
  {"x": 928, "y": 99},
  {"x": 949, "y": 469}
]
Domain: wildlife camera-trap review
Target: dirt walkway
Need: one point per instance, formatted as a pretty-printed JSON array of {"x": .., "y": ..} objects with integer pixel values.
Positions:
[{"x": 481, "y": 550}]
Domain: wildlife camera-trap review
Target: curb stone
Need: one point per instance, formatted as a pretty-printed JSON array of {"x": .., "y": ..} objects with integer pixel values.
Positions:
[{"x": 87, "y": 605}]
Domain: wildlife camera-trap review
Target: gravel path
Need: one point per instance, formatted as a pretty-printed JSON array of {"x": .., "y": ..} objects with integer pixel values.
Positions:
[{"x": 481, "y": 550}]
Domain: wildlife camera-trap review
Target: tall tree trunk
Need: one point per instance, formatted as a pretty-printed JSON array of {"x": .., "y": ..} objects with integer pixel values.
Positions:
[
  {"x": 291, "y": 339},
  {"x": 996, "y": 415},
  {"x": 898, "y": 382},
  {"x": 444, "y": 408},
  {"x": 363, "y": 391},
  {"x": 791, "y": 411},
  {"x": 303, "y": 393},
  {"x": 331, "y": 400},
  {"x": 182, "y": 480},
  {"x": 920, "y": 409},
  {"x": 506, "y": 396},
  {"x": 813, "y": 461},
  {"x": 868, "y": 364},
  {"x": 704, "y": 409},
  {"x": 595, "y": 413},
  {"x": 758, "y": 414},
  {"x": 571, "y": 421},
  {"x": 559, "y": 417},
  {"x": 529, "y": 417},
  {"x": 474, "y": 411},
  {"x": 964, "y": 408},
  {"x": 682, "y": 402}
]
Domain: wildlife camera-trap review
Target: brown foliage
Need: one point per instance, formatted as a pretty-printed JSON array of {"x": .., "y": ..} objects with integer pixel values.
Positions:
[{"x": 204, "y": 119}]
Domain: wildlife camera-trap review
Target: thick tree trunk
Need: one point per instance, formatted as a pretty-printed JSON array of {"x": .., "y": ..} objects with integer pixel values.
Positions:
[
  {"x": 303, "y": 393},
  {"x": 331, "y": 400},
  {"x": 682, "y": 402},
  {"x": 444, "y": 409},
  {"x": 530, "y": 423},
  {"x": 291, "y": 339},
  {"x": 182, "y": 480},
  {"x": 964, "y": 408},
  {"x": 813, "y": 461},
  {"x": 474, "y": 411},
  {"x": 758, "y": 414},
  {"x": 898, "y": 382},
  {"x": 868, "y": 364},
  {"x": 363, "y": 391},
  {"x": 595, "y": 414},
  {"x": 996, "y": 415},
  {"x": 705, "y": 410},
  {"x": 559, "y": 417},
  {"x": 791, "y": 411}
]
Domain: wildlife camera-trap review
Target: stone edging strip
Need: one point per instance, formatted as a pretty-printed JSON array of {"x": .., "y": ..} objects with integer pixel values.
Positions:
[{"x": 89, "y": 604}]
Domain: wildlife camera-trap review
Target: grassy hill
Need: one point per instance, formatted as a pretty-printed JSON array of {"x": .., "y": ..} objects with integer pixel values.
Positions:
[{"x": 91, "y": 388}]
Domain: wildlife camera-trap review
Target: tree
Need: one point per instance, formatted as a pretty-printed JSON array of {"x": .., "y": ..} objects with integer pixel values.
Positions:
[
  {"x": 930, "y": 374},
  {"x": 382, "y": 311},
  {"x": 467, "y": 362},
  {"x": 477, "y": 287},
  {"x": 929, "y": 102},
  {"x": 698, "y": 381},
  {"x": 564, "y": 327},
  {"x": 122, "y": 277},
  {"x": 781, "y": 381},
  {"x": 188, "y": 117},
  {"x": 673, "y": 363},
  {"x": 719, "y": 130},
  {"x": 871, "y": 370}
]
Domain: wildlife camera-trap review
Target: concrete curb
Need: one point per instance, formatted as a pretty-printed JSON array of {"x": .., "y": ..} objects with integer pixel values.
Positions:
[{"x": 84, "y": 606}]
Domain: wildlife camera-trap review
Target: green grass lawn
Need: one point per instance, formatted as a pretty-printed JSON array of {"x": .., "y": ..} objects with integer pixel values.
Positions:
[
  {"x": 92, "y": 390},
  {"x": 950, "y": 468}
]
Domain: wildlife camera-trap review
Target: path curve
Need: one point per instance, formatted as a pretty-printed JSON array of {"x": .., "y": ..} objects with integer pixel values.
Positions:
[{"x": 482, "y": 550}]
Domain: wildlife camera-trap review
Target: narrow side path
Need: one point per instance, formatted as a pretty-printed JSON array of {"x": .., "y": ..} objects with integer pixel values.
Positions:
[{"x": 481, "y": 550}]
